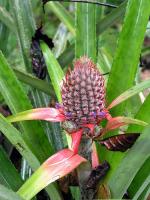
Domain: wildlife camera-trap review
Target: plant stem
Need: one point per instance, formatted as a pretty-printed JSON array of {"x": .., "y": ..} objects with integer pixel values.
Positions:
[{"x": 84, "y": 169}]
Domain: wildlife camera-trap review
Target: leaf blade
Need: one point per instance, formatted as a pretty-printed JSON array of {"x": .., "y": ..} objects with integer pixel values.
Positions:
[
  {"x": 85, "y": 23},
  {"x": 14, "y": 136},
  {"x": 8, "y": 174},
  {"x": 48, "y": 114},
  {"x": 125, "y": 62},
  {"x": 54, "y": 168},
  {"x": 142, "y": 114},
  {"x": 129, "y": 93},
  {"x": 62, "y": 14},
  {"x": 55, "y": 72},
  {"x": 120, "y": 181},
  {"x": 17, "y": 100},
  {"x": 7, "y": 194}
]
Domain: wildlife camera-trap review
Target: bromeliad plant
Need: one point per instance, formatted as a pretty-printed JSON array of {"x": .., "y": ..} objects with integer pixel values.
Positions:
[{"x": 82, "y": 110}]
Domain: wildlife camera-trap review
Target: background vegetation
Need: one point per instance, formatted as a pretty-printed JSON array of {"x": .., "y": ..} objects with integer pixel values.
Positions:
[{"x": 113, "y": 38}]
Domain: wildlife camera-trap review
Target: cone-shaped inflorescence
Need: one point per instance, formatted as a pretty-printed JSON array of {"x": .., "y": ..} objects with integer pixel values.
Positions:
[{"x": 83, "y": 93}]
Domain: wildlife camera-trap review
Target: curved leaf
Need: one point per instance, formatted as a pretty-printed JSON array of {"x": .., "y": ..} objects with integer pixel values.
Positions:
[
  {"x": 130, "y": 165},
  {"x": 129, "y": 93},
  {"x": 142, "y": 114},
  {"x": 138, "y": 181},
  {"x": 48, "y": 114},
  {"x": 16, "y": 139},
  {"x": 8, "y": 173},
  {"x": 116, "y": 122},
  {"x": 127, "y": 55},
  {"x": 17, "y": 100},
  {"x": 7, "y": 19},
  {"x": 34, "y": 82},
  {"x": 111, "y": 18},
  {"x": 55, "y": 72},
  {"x": 85, "y": 31},
  {"x": 57, "y": 166},
  {"x": 62, "y": 14},
  {"x": 7, "y": 194}
]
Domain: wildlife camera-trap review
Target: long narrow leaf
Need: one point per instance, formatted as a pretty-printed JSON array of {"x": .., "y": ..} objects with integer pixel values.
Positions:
[
  {"x": 8, "y": 174},
  {"x": 117, "y": 121},
  {"x": 62, "y": 14},
  {"x": 55, "y": 72},
  {"x": 102, "y": 25},
  {"x": 126, "y": 59},
  {"x": 142, "y": 188},
  {"x": 142, "y": 114},
  {"x": 114, "y": 158},
  {"x": 130, "y": 165},
  {"x": 139, "y": 179},
  {"x": 129, "y": 93},
  {"x": 18, "y": 101},
  {"x": 48, "y": 114},
  {"x": 34, "y": 82},
  {"x": 54, "y": 69},
  {"x": 6, "y": 19},
  {"x": 57, "y": 166},
  {"x": 145, "y": 193},
  {"x": 125, "y": 64},
  {"x": 85, "y": 31},
  {"x": 25, "y": 26},
  {"x": 111, "y": 18},
  {"x": 7, "y": 194},
  {"x": 15, "y": 137}
]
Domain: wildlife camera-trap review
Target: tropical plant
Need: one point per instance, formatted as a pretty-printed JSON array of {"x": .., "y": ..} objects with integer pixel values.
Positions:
[{"x": 92, "y": 116}]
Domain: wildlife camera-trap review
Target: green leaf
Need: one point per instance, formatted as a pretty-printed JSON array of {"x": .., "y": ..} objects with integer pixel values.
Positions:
[
  {"x": 131, "y": 163},
  {"x": 129, "y": 93},
  {"x": 124, "y": 69},
  {"x": 68, "y": 54},
  {"x": 116, "y": 158},
  {"x": 25, "y": 26},
  {"x": 55, "y": 72},
  {"x": 127, "y": 55},
  {"x": 8, "y": 174},
  {"x": 142, "y": 114},
  {"x": 16, "y": 138},
  {"x": 17, "y": 101},
  {"x": 111, "y": 18},
  {"x": 53, "y": 130},
  {"x": 34, "y": 82},
  {"x": 62, "y": 14},
  {"x": 142, "y": 188},
  {"x": 139, "y": 180},
  {"x": 102, "y": 25},
  {"x": 86, "y": 31},
  {"x": 7, "y": 194},
  {"x": 6, "y": 19},
  {"x": 145, "y": 193},
  {"x": 4, "y": 39}
]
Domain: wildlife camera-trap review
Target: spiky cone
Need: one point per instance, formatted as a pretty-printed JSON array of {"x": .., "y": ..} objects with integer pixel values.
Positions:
[{"x": 83, "y": 93}]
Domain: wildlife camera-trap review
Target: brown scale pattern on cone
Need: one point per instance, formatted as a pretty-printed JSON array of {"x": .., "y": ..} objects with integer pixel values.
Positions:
[{"x": 83, "y": 92}]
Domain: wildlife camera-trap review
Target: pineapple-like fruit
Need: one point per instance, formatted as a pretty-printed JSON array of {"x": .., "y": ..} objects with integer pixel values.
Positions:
[{"x": 83, "y": 93}]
